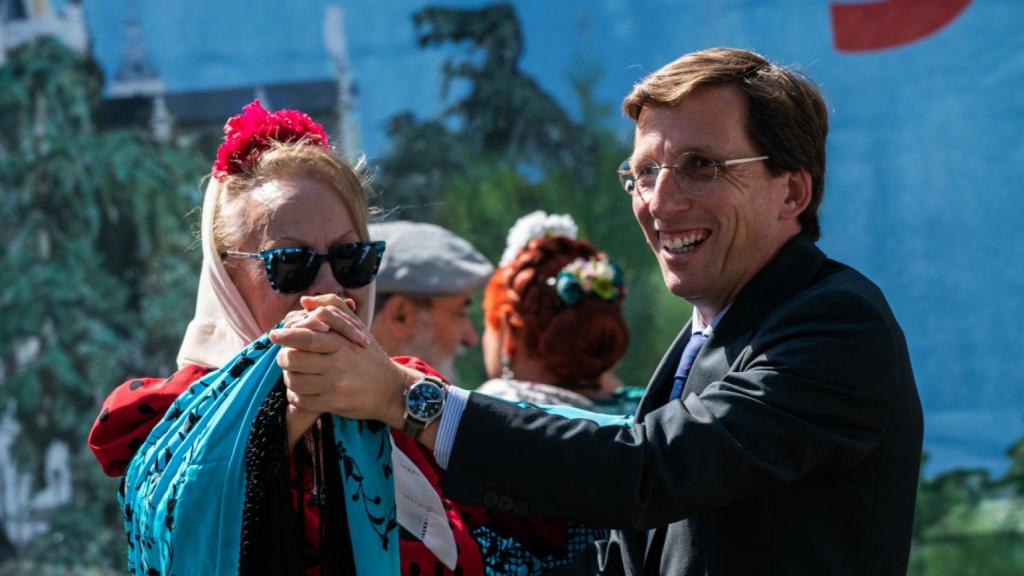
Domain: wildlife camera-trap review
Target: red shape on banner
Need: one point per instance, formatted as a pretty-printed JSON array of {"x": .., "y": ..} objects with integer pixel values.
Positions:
[{"x": 879, "y": 25}]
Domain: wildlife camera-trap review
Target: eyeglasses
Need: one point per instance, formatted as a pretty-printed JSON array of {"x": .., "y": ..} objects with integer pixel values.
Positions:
[
  {"x": 293, "y": 269},
  {"x": 693, "y": 171}
]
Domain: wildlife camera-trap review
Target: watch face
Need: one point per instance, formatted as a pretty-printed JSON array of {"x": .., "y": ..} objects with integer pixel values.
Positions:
[{"x": 424, "y": 401}]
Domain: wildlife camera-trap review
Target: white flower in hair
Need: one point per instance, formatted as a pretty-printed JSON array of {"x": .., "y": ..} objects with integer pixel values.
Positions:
[{"x": 537, "y": 224}]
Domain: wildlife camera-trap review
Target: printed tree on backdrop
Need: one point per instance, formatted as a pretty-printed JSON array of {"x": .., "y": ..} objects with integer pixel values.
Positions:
[
  {"x": 95, "y": 273},
  {"x": 504, "y": 111},
  {"x": 504, "y": 114},
  {"x": 506, "y": 147},
  {"x": 967, "y": 522}
]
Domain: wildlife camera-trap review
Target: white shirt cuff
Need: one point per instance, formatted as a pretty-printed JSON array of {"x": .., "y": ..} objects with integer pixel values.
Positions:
[{"x": 454, "y": 405}]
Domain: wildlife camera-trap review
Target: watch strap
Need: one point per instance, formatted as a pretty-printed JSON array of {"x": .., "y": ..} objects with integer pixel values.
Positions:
[{"x": 414, "y": 427}]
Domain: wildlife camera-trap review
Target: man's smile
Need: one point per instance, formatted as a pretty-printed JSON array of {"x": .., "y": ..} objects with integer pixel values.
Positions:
[{"x": 683, "y": 242}]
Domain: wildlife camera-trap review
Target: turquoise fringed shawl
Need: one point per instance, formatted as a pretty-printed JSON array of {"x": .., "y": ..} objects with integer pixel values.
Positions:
[{"x": 184, "y": 490}]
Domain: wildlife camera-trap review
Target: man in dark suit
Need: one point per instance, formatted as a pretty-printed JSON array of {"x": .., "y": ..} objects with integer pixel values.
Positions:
[{"x": 781, "y": 433}]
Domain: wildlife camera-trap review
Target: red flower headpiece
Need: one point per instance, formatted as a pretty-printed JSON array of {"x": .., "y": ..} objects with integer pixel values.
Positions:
[{"x": 250, "y": 133}]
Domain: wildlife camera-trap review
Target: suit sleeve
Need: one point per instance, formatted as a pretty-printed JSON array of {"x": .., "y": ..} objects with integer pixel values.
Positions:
[{"x": 808, "y": 394}]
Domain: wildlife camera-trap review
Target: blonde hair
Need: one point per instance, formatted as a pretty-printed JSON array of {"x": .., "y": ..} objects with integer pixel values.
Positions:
[{"x": 232, "y": 223}]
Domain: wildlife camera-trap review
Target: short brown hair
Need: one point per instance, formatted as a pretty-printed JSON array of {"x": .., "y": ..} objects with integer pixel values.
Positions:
[
  {"x": 786, "y": 115},
  {"x": 299, "y": 159}
]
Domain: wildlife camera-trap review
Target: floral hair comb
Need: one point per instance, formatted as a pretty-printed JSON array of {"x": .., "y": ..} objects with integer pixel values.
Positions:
[
  {"x": 599, "y": 277},
  {"x": 250, "y": 133},
  {"x": 535, "y": 225}
]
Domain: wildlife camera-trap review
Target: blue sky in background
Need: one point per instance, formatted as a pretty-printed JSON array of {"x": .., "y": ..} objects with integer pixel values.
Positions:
[{"x": 926, "y": 163}]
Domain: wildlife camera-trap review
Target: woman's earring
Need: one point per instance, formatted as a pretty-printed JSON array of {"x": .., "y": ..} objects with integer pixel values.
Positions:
[{"x": 506, "y": 369}]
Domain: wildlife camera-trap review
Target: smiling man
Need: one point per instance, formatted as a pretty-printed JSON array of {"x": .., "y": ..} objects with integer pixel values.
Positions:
[{"x": 781, "y": 432}]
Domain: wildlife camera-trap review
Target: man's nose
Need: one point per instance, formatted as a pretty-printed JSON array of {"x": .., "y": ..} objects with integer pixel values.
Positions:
[
  {"x": 469, "y": 334},
  {"x": 667, "y": 195}
]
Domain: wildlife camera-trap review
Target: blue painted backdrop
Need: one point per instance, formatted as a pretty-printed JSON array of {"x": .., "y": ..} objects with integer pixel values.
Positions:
[{"x": 926, "y": 162}]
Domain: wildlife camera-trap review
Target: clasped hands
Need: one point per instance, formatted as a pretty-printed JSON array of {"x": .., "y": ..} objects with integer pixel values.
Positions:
[{"x": 331, "y": 363}]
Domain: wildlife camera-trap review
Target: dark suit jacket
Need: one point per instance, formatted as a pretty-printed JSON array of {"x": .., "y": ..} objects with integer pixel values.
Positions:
[{"x": 794, "y": 449}]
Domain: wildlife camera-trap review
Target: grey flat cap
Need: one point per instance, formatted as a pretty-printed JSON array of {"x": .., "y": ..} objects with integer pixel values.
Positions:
[{"x": 427, "y": 260}]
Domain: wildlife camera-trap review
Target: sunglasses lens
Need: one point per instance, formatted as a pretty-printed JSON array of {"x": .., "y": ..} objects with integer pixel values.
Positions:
[
  {"x": 291, "y": 270},
  {"x": 355, "y": 265}
]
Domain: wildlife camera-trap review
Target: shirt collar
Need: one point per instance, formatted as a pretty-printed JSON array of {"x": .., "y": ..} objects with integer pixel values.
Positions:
[{"x": 697, "y": 325}]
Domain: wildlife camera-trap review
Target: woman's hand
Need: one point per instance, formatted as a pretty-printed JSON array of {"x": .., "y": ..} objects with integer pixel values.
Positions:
[
  {"x": 327, "y": 372},
  {"x": 330, "y": 312},
  {"x": 319, "y": 315},
  {"x": 296, "y": 422}
]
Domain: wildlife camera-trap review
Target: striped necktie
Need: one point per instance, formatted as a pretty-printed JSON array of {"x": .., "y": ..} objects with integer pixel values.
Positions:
[{"x": 693, "y": 347}]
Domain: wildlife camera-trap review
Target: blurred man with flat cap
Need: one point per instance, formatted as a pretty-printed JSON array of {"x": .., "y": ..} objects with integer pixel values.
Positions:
[{"x": 424, "y": 290}]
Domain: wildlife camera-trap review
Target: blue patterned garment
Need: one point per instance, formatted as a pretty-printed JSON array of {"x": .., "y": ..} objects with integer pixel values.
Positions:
[
  {"x": 506, "y": 556},
  {"x": 184, "y": 490}
]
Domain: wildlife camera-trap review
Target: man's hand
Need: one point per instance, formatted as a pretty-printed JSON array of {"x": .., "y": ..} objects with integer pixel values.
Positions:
[
  {"x": 330, "y": 312},
  {"x": 328, "y": 372},
  {"x": 316, "y": 310}
]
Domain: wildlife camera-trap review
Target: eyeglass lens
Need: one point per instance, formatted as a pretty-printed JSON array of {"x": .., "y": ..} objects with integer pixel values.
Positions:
[
  {"x": 692, "y": 171},
  {"x": 294, "y": 269}
]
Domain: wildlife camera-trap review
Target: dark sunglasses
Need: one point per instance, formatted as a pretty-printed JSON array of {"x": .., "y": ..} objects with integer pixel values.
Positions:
[{"x": 293, "y": 269}]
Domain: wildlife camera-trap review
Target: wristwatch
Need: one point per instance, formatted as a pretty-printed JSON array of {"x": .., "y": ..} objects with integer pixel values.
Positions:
[{"x": 424, "y": 401}]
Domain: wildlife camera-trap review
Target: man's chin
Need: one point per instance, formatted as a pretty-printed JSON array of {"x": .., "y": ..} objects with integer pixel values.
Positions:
[{"x": 685, "y": 290}]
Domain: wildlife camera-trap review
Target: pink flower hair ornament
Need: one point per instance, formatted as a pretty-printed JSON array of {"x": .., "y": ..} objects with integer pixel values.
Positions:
[{"x": 250, "y": 133}]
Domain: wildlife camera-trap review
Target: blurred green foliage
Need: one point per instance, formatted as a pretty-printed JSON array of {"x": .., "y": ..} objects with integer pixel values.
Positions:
[
  {"x": 968, "y": 523},
  {"x": 97, "y": 280}
]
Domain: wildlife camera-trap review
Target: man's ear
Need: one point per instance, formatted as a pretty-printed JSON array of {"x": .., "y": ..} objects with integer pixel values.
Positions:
[
  {"x": 798, "y": 194},
  {"x": 399, "y": 316}
]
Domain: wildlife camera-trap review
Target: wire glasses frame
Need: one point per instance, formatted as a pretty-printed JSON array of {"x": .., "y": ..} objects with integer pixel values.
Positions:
[{"x": 693, "y": 172}]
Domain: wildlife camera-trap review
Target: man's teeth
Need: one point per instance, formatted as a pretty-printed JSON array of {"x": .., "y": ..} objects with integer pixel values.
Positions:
[{"x": 686, "y": 242}]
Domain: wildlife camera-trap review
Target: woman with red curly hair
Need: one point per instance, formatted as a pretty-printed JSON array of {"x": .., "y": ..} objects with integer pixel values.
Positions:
[{"x": 553, "y": 317}]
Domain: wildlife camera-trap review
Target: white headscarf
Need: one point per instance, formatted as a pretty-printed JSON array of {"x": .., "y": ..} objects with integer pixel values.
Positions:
[{"x": 222, "y": 324}]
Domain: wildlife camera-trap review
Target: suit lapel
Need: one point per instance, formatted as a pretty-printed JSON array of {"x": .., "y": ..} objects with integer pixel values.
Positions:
[
  {"x": 713, "y": 361},
  {"x": 797, "y": 263},
  {"x": 661, "y": 382},
  {"x": 793, "y": 268}
]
